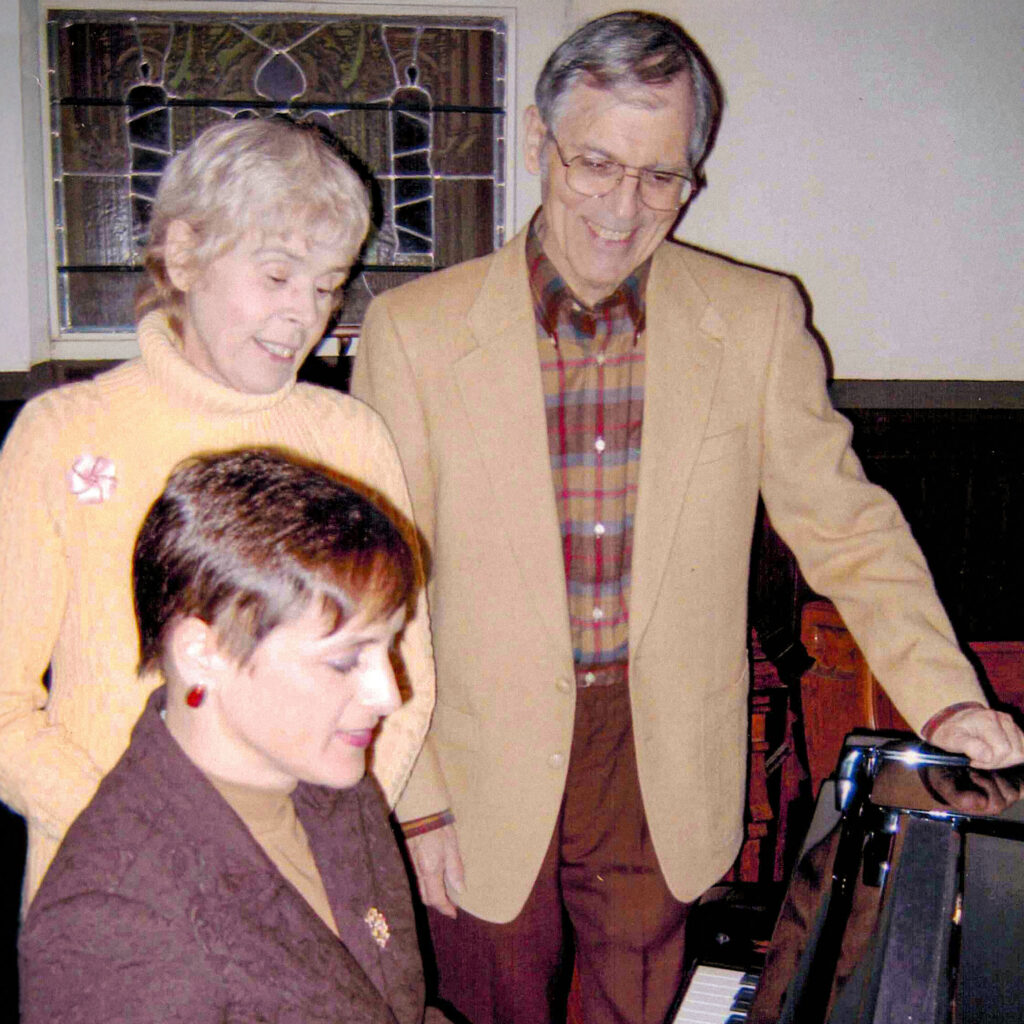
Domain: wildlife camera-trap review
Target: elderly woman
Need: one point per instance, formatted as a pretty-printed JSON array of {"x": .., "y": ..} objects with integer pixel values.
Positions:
[
  {"x": 236, "y": 865},
  {"x": 253, "y": 232}
]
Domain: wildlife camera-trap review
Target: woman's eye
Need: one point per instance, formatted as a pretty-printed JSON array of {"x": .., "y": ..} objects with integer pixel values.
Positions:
[{"x": 344, "y": 665}]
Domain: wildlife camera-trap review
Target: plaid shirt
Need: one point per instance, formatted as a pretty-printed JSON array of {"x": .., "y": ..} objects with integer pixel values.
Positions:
[{"x": 592, "y": 365}]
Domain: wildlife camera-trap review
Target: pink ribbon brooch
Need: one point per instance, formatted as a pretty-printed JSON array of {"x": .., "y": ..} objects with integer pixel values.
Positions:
[{"x": 92, "y": 479}]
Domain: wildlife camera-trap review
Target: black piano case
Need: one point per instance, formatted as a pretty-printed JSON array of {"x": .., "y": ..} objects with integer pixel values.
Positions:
[{"x": 907, "y": 904}]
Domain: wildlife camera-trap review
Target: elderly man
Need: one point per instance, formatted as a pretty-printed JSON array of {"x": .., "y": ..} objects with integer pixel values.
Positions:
[{"x": 586, "y": 419}]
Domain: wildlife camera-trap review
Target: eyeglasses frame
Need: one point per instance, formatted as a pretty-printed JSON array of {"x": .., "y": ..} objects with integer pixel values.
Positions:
[{"x": 624, "y": 168}]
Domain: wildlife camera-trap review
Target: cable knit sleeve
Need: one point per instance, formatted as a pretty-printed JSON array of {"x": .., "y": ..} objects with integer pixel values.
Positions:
[
  {"x": 383, "y": 379},
  {"x": 348, "y": 435},
  {"x": 43, "y": 774},
  {"x": 400, "y": 742}
]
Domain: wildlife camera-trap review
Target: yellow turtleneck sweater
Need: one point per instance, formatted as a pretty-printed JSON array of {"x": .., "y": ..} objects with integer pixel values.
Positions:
[{"x": 65, "y": 591}]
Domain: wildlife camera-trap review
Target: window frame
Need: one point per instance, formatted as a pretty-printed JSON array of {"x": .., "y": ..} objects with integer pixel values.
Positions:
[{"x": 82, "y": 345}]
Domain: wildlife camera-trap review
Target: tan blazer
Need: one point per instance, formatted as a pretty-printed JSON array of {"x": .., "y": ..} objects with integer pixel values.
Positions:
[{"x": 735, "y": 404}]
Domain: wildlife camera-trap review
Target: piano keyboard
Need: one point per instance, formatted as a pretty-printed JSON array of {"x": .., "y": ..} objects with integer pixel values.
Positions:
[{"x": 717, "y": 995}]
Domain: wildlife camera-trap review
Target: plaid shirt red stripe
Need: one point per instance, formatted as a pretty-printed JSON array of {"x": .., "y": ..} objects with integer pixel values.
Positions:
[{"x": 592, "y": 366}]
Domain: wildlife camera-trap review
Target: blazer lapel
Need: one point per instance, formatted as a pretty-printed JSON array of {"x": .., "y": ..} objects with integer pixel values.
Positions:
[
  {"x": 366, "y": 885},
  {"x": 682, "y": 365},
  {"x": 500, "y": 384}
]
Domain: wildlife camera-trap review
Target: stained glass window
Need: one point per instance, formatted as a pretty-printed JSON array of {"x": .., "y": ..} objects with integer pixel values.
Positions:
[{"x": 419, "y": 102}]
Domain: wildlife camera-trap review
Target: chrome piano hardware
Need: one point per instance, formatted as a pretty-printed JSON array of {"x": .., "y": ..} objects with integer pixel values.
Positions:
[{"x": 908, "y": 902}]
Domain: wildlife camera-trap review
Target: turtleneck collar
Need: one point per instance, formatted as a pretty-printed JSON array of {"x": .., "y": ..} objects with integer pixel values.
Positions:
[
  {"x": 263, "y": 810},
  {"x": 184, "y": 384}
]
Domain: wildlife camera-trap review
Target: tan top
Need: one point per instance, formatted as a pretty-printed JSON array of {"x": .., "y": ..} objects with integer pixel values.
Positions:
[{"x": 269, "y": 815}]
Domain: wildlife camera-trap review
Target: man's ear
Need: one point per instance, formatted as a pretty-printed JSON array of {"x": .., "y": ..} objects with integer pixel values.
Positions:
[
  {"x": 195, "y": 652},
  {"x": 534, "y": 135},
  {"x": 179, "y": 254}
]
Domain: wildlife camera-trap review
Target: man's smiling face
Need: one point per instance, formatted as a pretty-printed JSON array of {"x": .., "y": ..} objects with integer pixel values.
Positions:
[{"x": 596, "y": 242}]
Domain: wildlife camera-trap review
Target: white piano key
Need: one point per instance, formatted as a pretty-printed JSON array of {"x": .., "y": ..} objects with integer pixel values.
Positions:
[{"x": 714, "y": 996}]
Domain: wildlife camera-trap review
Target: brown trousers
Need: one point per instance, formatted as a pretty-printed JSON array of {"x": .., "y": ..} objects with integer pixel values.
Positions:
[{"x": 599, "y": 891}]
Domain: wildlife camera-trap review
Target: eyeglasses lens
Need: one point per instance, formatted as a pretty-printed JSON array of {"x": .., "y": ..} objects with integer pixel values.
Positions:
[{"x": 659, "y": 193}]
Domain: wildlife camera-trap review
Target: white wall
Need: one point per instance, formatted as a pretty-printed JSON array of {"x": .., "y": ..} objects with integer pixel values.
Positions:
[
  {"x": 15, "y": 352},
  {"x": 873, "y": 148}
]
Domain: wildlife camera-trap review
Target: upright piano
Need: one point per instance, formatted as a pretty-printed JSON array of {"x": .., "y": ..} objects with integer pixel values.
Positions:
[{"x": 907, "y": 903}]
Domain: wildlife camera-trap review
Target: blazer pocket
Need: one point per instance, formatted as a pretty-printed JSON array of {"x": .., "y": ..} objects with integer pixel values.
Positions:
[
  {"x": 721, "y": 446},
  {"x": 456, "y": 728}
]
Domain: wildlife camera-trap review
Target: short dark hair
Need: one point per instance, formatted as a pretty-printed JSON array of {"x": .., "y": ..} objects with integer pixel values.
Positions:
[
  {"x": 243, "y": 540},
  {"x": 630, "y": 49}
]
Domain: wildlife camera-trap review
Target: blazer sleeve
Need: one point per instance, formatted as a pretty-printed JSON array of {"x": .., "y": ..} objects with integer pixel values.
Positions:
[
  {"x": 849, "y": 536},
  {"x": 147, "y": 961},
  {"x": 383, "y": 378},
  {"x": 44, "y": 774}
]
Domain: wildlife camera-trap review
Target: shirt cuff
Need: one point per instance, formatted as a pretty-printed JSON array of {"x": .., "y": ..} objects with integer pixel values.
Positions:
[
  {"x": 428, "y": 823},
  {"x": 940, "y": 717}
]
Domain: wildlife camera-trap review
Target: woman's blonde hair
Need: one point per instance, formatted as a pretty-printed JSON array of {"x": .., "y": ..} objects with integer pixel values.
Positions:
[{"x": 264, "y": 174}]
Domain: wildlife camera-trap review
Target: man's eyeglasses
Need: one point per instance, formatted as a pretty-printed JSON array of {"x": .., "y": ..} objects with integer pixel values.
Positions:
[{"x": 594, "y": 176}]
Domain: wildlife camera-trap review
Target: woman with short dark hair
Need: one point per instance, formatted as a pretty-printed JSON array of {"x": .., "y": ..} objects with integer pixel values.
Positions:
[{"x": 236, "y": 865}]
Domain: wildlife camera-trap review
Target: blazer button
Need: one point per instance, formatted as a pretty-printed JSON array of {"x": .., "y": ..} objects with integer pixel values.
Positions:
[
  {"x": 563, "y": 685},
  {"x": 556, "y": 761}
]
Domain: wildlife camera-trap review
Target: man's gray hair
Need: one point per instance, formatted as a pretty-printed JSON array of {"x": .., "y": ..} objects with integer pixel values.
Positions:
[{"x": 631, "y": 49}]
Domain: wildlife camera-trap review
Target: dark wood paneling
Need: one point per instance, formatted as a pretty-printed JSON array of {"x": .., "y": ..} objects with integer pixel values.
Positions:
[{"x": 958, "y": 475}]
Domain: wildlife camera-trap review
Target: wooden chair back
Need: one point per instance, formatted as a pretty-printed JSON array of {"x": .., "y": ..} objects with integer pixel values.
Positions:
[{"x": 839, "y": 693}]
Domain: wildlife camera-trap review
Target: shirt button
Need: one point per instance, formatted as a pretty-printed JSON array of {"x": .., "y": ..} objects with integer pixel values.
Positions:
[
  {"x": 556, "y": 760},
  {"x": 598, "y": 529},
  {"x": 599, "y": 359},
  {"x": 599, "y": 444},
  {"x": 597, "y": 614},
  {"x": 588, "y": 678},
  {"x": 563, "y": 686}
]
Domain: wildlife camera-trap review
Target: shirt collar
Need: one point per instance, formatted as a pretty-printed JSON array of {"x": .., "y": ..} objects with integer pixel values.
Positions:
[{"x": 553, "y": 299}]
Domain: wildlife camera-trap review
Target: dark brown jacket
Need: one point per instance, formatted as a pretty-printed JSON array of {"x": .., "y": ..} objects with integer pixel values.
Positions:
[{"x": 161, "y": 907}]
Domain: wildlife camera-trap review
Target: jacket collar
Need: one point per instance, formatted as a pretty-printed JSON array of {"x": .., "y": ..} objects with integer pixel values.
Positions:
[
  {"x": 684, "y": 355},
  {"x": 500, "y": 385}
]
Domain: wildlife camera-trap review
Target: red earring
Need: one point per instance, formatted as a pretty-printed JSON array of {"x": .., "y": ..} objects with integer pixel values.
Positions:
[{"x": 195, "y": 696}]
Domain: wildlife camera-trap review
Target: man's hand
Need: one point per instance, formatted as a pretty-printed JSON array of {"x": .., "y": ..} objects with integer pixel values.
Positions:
[
  {"x": 991, "y": 739},
  {"x": 435, "y": 856}
]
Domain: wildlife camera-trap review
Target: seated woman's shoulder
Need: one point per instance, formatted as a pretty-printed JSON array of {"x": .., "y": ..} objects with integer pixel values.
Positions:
[{"x": 113, "y": 848}]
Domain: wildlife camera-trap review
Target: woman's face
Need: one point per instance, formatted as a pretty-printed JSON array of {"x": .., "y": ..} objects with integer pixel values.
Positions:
[
  {"x": 306, "y": 704},
  {"x": 253, "y": 314}
]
